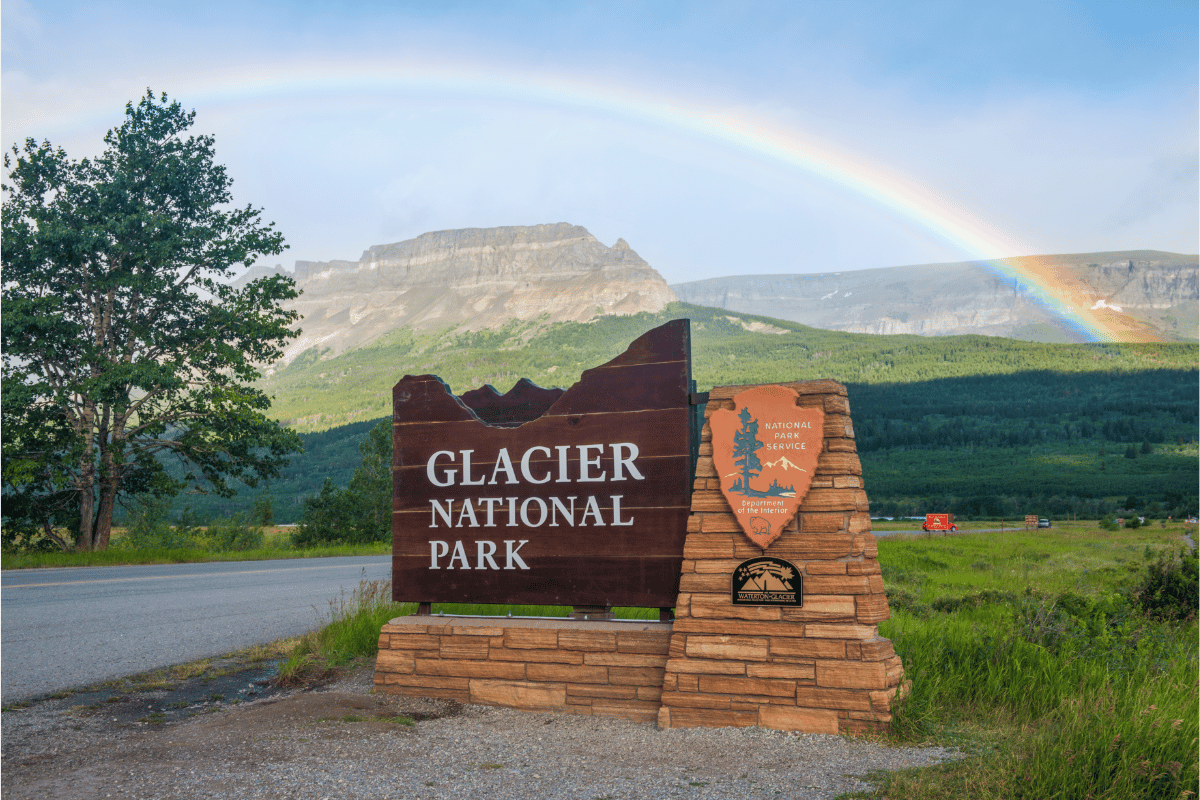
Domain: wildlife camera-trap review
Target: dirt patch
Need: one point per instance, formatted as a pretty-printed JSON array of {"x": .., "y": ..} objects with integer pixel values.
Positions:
[{"x": 123, "y": 741}]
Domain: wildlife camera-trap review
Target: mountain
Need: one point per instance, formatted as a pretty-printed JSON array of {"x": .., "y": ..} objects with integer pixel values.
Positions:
[
  {"x": 1149, "y": 295},
  {"x": 963, "y": 424},
  {"x": 468, "y": 280}
]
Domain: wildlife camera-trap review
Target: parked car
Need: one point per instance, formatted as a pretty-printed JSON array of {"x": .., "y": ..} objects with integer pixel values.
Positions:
[{"x": 1044, "y": 523}]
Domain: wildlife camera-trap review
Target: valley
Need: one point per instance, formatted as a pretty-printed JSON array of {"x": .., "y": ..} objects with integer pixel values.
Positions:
[{"x": 976, "y": 425}]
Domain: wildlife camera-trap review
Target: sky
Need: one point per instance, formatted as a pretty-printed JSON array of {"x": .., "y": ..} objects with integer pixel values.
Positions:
[{"x": 716, "y": 138}]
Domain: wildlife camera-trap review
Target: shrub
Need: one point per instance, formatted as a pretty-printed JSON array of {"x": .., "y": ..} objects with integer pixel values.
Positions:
[
  {"x": 1169, "y": 588},
  {"x": 234, "y": 534},
  {"x": 147, "y": 528}
]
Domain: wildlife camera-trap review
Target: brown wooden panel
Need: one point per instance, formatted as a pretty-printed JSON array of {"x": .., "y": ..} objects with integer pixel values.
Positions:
[
  {"x": 657, "y": 432},
  {"x": 524, "y": 402},
  {"x": 640, "y": 397},
  {"x": 656, "y": 533},
  {"x": 660, "y": 485},
  {"x": 560, "y": 580}
]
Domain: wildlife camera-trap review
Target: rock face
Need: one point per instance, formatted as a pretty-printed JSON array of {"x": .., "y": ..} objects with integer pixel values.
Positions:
[
  {"x": 471, "y": 279},
  {"x": 1150, "y": 294}
]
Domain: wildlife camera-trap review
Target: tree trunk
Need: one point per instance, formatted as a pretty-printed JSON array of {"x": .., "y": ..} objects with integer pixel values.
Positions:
[
  {"x": 104, "y": 514},
  {"x": 85, "y": 484},
  {"x": 110, "y": 482}
]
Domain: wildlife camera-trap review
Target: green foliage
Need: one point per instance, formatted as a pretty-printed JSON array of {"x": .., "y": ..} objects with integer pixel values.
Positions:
[
  {"x": 124, "y": 346},
  {"x": 1170, "y": 588},
  {"x": 1109, "y": 522},
  {"x": 362, "y": 512},
  {"x": 234, "y": 534},
  {"x": 264, "y": 510},
  {"x": 352, "y": 631},
  {"x": 1069, "y": 688},
  {"x": 147, "y": 527},
  {"x": 316, "y": 394}
]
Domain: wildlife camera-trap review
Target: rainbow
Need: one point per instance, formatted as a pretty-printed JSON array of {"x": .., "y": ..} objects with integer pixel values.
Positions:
[{"x": 733, "y": 129}]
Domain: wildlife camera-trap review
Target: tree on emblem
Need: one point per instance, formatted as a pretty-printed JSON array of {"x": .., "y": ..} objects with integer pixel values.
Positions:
[{"x": 745, "y": 443}]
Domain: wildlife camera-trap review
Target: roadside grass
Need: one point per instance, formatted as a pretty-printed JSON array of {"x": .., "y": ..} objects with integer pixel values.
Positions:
[
  {"x": 276, "y": 544},
  {"x": 349, "y": 635},
  {"x": 1028, "y": 654}
]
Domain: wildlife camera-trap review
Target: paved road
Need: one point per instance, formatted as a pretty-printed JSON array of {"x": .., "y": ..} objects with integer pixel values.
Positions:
[{"x": 63, "y": 628}]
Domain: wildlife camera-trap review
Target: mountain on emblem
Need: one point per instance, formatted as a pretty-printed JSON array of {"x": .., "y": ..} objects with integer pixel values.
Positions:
[{"x": 766, "y": 450}]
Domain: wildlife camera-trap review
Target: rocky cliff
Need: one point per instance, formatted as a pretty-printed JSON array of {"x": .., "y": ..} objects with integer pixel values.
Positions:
[
  {"x": 470, "y": 279},
  {"x": 1147, "y": 294}
]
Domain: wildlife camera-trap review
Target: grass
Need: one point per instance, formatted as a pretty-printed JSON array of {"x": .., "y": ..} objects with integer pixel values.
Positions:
[
  {"x": 277, "y": 545},
  {"x": 1027, "y": 654},
  {"x": 350, "y": 634}
]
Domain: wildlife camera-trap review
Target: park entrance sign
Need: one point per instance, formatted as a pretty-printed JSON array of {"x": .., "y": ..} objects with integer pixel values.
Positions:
[
  {"x": 747, "y": 529},
  {"x": 546, "y": 497}
]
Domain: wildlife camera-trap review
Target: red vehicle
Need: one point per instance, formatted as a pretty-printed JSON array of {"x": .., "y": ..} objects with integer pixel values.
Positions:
[{"x": 939, "y": 522}]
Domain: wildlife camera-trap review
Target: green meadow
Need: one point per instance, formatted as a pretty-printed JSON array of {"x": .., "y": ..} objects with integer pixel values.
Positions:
[{"x": 1059, "y": 663}]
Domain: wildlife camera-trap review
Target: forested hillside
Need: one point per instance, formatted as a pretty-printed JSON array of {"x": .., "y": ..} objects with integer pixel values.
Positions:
[
  {"x": 970, "y": 424},
  {"x": 727, "y": 348}
]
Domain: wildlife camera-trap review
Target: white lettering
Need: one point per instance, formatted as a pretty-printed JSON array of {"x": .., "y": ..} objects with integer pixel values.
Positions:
[
  {"x": 436, "y": 510},
  {"x": 511, "y": 553},
  {"x": 466, "y": 469},
  {"x": 437, "y": 549},
  {"x": 460, "y": 553},
  {"x": 525, "y": 464},
  {"x": 556, "y": 505},
  {"x": 525, "y": 512},
  {"x": 585, "y": 463},
  {"x": 562, "y": 449},
  {"x": 491, "y": 504},
  {"x": 512, "y": 512},
  {"x": 503, "y": 464},
  {"x": 616, "y": 498},
  {"x": 592, "y": 508},
  {"x": 484, "y": 550},
  {"x": 620, "y": 461},
  {"x": 466, "y": 511},
  {"x": 448, "y": 474}
]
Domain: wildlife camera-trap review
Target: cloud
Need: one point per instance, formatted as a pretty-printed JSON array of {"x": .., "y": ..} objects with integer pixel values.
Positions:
[{"x": 1056, "y": 151}]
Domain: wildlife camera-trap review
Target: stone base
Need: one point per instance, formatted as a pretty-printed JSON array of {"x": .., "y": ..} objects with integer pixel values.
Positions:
[
  {"x": 603, "y": 668},
  {"x": 821, "y": 668}
]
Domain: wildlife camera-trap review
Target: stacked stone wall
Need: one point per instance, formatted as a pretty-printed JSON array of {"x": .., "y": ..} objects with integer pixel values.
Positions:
[
  {"x": 612, "y": 669},
  {"x": 821, "y": 668}
]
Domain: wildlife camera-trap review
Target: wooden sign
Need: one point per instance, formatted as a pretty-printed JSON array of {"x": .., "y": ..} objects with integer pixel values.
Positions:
[
  {"x": 1031, "y": 521},
  {"x": 767, "y": 581},
  {"x": 544, "y": 496},
  {"x": 765, "y": 451}
]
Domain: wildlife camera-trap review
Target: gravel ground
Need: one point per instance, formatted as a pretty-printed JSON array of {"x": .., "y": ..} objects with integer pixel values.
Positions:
[{"x": 342, "y": 741}]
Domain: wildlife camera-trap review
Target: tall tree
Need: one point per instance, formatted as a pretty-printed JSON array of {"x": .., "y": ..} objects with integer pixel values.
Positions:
[
  {"x": 745, "y": 445},
  {"x": 123, "y": 343},
  {"x": 362, "y": 512}
]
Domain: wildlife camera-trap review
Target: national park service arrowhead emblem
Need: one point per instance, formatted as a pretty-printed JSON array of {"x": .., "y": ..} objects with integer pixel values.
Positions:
[{"x": 765, "y": 452}]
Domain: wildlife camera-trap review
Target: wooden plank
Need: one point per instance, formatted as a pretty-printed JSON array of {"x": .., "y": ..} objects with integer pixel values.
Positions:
[
  {"x": 496, "y": 522},
  {"x": 524, "y": 402},
  {"x": 640, "y": 581}
]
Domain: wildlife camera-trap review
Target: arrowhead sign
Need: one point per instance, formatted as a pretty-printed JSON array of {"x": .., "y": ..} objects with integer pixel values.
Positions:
[{"x": 765, "y": 452}]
